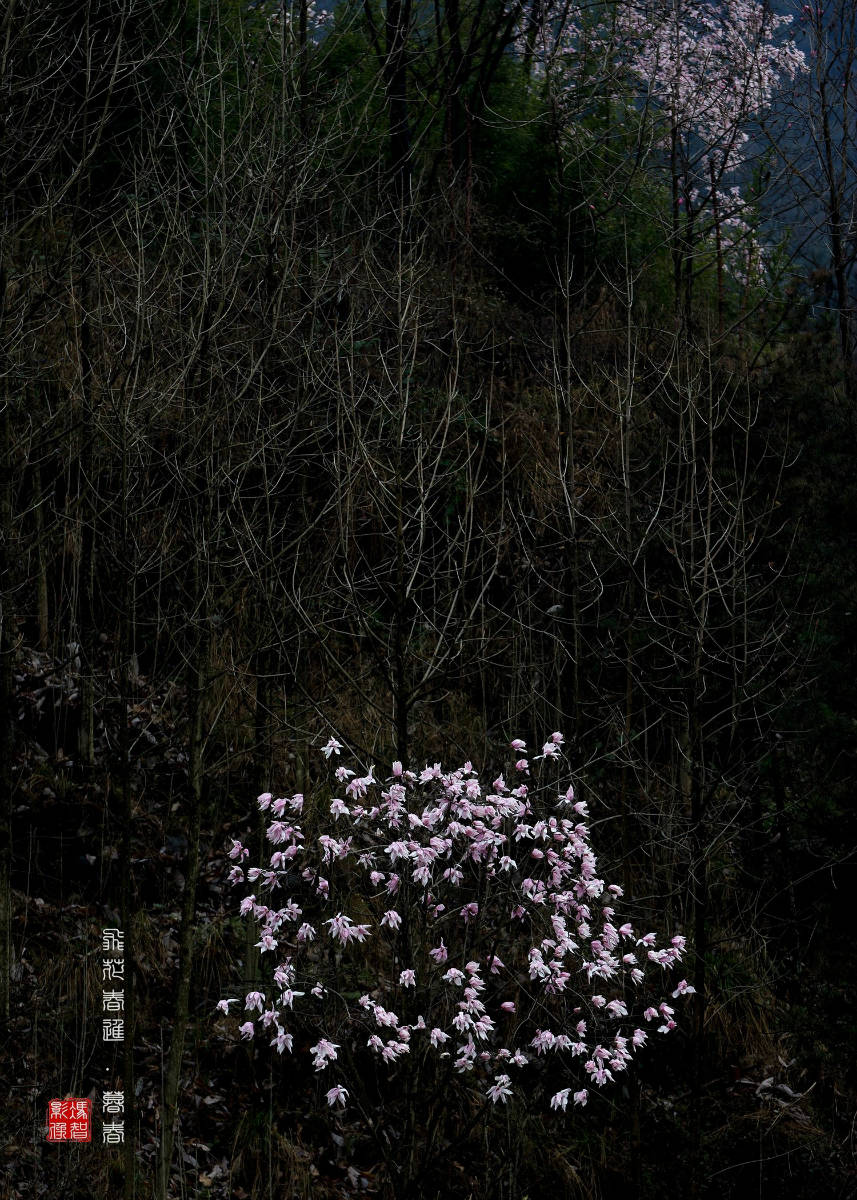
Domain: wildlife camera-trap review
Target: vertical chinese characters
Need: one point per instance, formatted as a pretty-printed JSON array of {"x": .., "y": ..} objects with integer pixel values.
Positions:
[{"x": 113, "y": 1029}]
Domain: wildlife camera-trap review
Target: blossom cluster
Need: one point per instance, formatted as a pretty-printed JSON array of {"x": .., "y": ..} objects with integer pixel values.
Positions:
[
  {"x": 710, "y": 69},
  {"x": 281, "y": 17},
  {"x": 435, "y": 876}
]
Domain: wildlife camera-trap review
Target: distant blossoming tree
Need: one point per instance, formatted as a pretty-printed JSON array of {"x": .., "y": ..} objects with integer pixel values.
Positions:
[{"x": 698, "y": 77}]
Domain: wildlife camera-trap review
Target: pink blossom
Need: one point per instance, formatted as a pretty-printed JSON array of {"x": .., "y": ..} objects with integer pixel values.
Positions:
[
  {"x": 337, "y": 1095},
  {"x": 284, "y": 974},
  {"x": 439, "y": 953},
  {"x": 500, "y": 1089},
  {"x": 323, "y": 1052},
  {"x": 543, "y": 1041},
  {"x": 393, "y": 1050},
  {"x": 278, "y": 832},
  {"x": 385, "y": 1018},
  {"x": 597, "y": 1071},
  {"x": 283, "y": 1041},
  {"x": 344, "y": 930},
  {"x": 549, "y": 750},
  {"x": 683, "y": 989}
]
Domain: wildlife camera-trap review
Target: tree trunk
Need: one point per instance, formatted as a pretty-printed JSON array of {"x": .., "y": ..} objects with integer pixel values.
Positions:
[
  {"x": 396, "y": 80},
  {"x": 198, "y": 672},
  {"x": 86, "y": 524},
  {"x": 7, "y": 727}
]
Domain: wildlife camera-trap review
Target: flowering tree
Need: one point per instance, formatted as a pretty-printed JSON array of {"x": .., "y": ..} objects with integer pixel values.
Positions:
[
  {"x": 494, "y": 946},
  {"x": 693, "y": 79},
  {"x": 711, "y": 70}
]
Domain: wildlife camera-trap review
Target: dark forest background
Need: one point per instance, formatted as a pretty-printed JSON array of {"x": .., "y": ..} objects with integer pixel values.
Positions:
[{"x": 359, "y": 380}]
